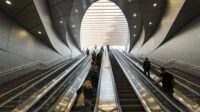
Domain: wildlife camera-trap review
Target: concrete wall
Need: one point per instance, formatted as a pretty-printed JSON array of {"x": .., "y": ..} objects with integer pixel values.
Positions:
[{"x": 21, "y": 52}]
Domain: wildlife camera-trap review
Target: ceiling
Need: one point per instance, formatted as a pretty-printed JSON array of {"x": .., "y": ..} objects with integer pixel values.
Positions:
[
  {"x": 24, "y": 12},
  {"x": 66, "y": 14},
  {"x": 104, "y": 23}
]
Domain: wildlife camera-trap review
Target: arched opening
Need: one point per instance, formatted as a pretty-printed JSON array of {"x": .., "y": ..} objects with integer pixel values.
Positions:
[{"x": 104, "y": 24}]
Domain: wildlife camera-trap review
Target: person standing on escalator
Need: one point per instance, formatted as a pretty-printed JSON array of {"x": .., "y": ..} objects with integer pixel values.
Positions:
[
  {"x": 87, "y": 51},
  {"x": 167, "y": 80},
  {"x": 147, "y": 67},
  {"x": 88, "y": 94}
]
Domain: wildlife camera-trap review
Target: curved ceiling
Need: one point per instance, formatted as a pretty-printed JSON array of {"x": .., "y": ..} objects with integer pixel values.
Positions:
[
  {"x": 104, "y": 23},
  {"x": 139, "y": 14},
  {"x": 130, "y": 8}
]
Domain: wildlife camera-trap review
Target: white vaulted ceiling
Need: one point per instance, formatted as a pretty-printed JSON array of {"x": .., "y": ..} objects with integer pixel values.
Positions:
[{"x": 104, "y": 23}]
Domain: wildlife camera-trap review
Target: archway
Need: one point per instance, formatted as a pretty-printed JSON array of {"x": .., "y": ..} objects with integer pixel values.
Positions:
[{"x": 104, "y": 23}]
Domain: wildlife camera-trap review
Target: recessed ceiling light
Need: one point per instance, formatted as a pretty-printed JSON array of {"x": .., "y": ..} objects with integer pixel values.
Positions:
[
  {"x": 135, "y": 26},
  {"x": 76, "y": 10},
  {"x": 8, "y": 2},
  {"x": 39, "y": 32},
  {"x": 129, "y": 0},
  {"x": 134, "y": 14},
  {"x": 73, "y": 26},
  {"x": 61, "y": 21},
  {"x": 150, "y": 23},
  {"x": 155, "y": 4},
  {"x": 134, "y": 35}
]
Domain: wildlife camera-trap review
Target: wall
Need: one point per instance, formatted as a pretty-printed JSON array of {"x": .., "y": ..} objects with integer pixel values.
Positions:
[
  {"x": 181, "y": 52},
  {"x": 21, "y": 52},
  {"x": 57, "y": 43}
]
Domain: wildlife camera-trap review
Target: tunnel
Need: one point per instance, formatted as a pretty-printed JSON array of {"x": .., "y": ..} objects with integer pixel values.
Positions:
[{"x": 51, "y": 49}]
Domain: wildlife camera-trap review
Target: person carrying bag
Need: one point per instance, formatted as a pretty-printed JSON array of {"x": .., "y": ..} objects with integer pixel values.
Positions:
[{"x": 81, "y": 100}]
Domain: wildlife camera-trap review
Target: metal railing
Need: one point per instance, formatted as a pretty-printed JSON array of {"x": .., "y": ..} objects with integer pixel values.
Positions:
[
  {"x": 178, "y": 96},
  {"x": 25, "y": 106}
]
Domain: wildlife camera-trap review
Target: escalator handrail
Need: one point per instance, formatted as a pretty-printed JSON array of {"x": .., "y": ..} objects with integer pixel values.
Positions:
[
  {"x": 41, "y": 92},
  {"x": 139, "y": 89},
  {"x": 71, "y": 98},
  {"x": 165, "y": 96},
  {"x": 45, "y": 74},
  {"x": 67, "y": 105},
  {"x": 180, "y": 83}
]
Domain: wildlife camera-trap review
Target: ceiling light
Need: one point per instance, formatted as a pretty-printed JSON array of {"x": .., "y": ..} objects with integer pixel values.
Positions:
[
  {"x": 73, "y": 26},
  {"x": 76, "y": 10},
  {"x": 135, "y": 26},
  {"x": 39, "y": 32},
  {"x": 150, "y": 23},
  {"x": 8, "y": 2},
  {"x": 134, "y": 14},
  {"x": 61, "y": 22},
  {"x": 155, "y": 4},
  {"x": 134, "y": 35},
  {"x": 129, "y": 0}
]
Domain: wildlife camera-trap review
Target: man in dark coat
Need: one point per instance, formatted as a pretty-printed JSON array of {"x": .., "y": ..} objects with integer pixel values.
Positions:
[
  {"x": 147, "y": 67},
  {"x": 167, "y": 80}
]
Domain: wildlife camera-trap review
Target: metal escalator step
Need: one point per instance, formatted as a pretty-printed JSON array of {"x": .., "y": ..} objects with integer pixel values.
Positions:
[
  {"x": 123, "y": 88},
  {"x": 125, "y": 92},
  {"x": 127, "y": 96},
  {"x": 129, "y": 101},
  {"x": 132, "y": 108}
]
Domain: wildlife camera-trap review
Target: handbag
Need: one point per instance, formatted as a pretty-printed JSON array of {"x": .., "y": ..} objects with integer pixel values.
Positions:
[{"x": 80, "y": 100}]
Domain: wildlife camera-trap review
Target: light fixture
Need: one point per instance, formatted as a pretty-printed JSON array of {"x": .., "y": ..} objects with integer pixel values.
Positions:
[
  {"x": 134, "y": 14},
  {"x": 134, "y": 35},
  {"x": 150, "y": 23},
  {"x": 76, "y": 10},
  {"x": 8, "y": 2},
  {"x": 39, "y": 32},
  {"x": 154, "y": 4},
  {"x": 61, "y": 22},
  {"x": 135, "y": 26},
  {"x": 73, "y": 26},
  {"x": 129, "y": 0}
]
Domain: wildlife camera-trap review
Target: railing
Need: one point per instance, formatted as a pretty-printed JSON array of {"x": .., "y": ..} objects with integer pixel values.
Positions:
[
  {"x": 40, "y": 78},
  {"x": 185, "y": 84},
  {"x": 148, "y": 101},
  {"x": 66, "y": 100},
  {"x": 180, "y": 97},
  {"x": 25, "y": 106}
]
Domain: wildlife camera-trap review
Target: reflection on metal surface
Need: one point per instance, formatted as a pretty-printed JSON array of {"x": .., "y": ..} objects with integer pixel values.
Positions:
[
  {"x": 107, "y": 96},
  {"x": 186, "y": 101}
]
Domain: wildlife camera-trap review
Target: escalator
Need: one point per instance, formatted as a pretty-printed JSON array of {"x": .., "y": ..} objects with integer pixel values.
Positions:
[
  {"x": 22, "y": 91},
  {"x": 128, "y": 99}
]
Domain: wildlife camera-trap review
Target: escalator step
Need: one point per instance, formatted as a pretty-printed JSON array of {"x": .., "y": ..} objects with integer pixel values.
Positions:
[
  {"x": 132, "y": 108},
  {"x": 129, "y": 101},
  {"x": 127, "y": 96},
  {"x": 125, "y": 92}
]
